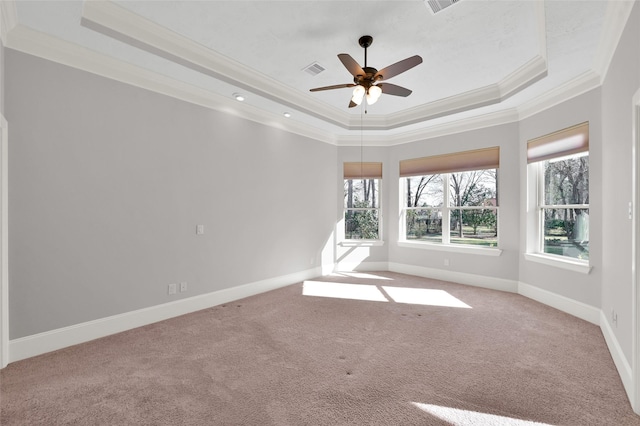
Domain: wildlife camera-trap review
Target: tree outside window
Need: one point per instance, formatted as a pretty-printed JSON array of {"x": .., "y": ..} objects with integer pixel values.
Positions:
[
  {"x": 452, "y": 208},
  {"x": 362, "y": 205},
  {"x": 564, "y": 211}
]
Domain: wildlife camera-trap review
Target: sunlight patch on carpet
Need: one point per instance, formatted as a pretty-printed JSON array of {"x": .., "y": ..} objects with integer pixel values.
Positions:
[
  {"x": 343, "y": 291},
  {"x": 361, "y": 275},
  {"x": 424, "y": 296},
  {"x": 460, "y": 417},
  {"x": 372, "y": 293}
]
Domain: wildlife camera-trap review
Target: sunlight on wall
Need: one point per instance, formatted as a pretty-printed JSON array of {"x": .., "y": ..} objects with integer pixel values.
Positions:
[
  {"x": 415, "y": 296},
  {"x": 349, "y": 258},
  {"x": 328, "y": 255},
  {"x": 343, "y": 291},
  {"x": 424, "y": 296},
  {"x": 460, "y": 417}
]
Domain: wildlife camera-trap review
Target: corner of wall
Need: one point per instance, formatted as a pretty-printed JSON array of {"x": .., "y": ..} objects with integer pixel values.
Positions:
[
  {"x": 577, "y": 309},
  {"x": 620, "y": 361}
]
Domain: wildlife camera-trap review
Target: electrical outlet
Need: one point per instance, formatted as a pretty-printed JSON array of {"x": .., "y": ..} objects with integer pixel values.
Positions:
[
  {"x": 183, "y": 287},
  {"x": 172, "y": 288},
  {"x": 614, "y": 317},
  {"x": 199, "y": 229}
]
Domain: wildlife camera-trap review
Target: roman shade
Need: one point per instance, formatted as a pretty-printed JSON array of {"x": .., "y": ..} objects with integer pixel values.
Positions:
[
  {"x": 478, "y": 159},
  {"x": 363, "y": 170},
  {"x": 572, "y": 140}
]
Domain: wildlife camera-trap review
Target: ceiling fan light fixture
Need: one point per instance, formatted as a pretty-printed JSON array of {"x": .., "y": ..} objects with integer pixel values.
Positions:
[
  {"x": 365, "y": 78},
  {"x": 358, "y": 94},
  {"x": 373, "y": 94}
]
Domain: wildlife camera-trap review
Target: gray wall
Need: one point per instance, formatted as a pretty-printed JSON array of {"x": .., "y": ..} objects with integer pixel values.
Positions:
[
  {"x": 108, "y": 183},
  {"x": 574, "y": 285},
  {"x": 1, "y": 78},
  {"x": 504, "y": 266},
  {"x": 622, "y": 81}
]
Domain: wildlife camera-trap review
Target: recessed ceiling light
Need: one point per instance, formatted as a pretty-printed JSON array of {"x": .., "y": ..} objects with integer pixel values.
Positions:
[
  {"x": 239, "y": 97},
  {"x": 287, "y": 114}
]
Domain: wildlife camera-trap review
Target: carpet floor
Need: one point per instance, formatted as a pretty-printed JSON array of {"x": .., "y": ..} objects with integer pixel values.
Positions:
[{"x": 347, "y": 349}]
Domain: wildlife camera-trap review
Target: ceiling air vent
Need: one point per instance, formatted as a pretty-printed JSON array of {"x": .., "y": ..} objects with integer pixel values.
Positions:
[
  {"x": 439, "y": 5},
  {"x": 314, "y": 69}
]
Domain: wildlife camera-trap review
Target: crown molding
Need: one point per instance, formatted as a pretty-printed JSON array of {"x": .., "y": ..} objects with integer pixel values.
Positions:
[
  {"x": 35, "y": 43},
  {"x": 27, "y": 40},
  {"x": 8, "y": 18},
  {"x": 615, "y": 21},
  {"x": 117, "y": 22},
  {"x": 527, "y": 74},
  {"x": 577, "y": 86},
  {"x": 114, "y": 21},
  {"x": 506, "y": 116}
]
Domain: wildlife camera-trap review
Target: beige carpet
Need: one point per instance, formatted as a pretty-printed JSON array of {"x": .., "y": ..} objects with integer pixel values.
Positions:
[{"x": 418, "y": 352}]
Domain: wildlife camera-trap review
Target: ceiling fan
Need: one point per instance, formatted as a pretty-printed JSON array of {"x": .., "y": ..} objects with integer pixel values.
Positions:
[{"x": 367, "y": 81}]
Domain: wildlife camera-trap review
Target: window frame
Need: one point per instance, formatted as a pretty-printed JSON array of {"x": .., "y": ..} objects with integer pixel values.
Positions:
[
  {"x": 377, "y": 210},
  {"x": 541, "y": 206},
  {"x": 535, "y": 238},
  {"x": 445, "y": 212},
  {"x": 361, "y": 171}
]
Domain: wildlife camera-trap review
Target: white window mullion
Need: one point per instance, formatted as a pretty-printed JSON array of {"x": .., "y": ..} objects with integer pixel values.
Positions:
[
  {"x": 402, "y": 202},
  {"x": 446, "y": 222},
  {"x": 541, "y": 201}
]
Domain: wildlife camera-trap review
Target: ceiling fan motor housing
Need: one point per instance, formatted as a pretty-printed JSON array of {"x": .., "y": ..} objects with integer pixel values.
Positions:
[{"x": 368, "y": 79}]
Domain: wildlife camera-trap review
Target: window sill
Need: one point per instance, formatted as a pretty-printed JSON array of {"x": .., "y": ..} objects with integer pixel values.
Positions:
[
  {"x": 361, "y": 243},
  {"x": 569, "y": 264},
  {"x": 453, "y": 248}
]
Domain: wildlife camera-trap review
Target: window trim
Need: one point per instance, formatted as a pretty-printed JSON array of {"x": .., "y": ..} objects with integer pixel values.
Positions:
[
  {"x": 534, "y": 245},
  {"x": 361, "y": 243},
  {"x": 563, "y": 262},
  {"x": 445, "y": 210},
  {"x": 566, "y": 262},
  {"x": 356, "y": 242},
  {"x": 456, "y": 248}
]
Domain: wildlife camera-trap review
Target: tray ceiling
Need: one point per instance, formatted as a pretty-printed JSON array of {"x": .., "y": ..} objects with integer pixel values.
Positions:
[{"x": 483, "y": 59}]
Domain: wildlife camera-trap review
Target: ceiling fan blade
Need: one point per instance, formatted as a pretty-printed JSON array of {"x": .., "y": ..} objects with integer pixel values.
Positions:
[
  {"x": 337, "y": 86},
  {"x": 392, "y": 89},
  {"x": 350, "y": 64},
  {"x": 352, "y": 104},
  {"x": 398, "y": 67}
]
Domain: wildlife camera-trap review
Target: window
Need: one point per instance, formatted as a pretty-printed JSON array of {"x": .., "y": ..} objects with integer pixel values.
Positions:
[
  {"x": 559, "y": 165},
  {"x": 451, "y": 199},
  {"x": 362, "y": 201}
]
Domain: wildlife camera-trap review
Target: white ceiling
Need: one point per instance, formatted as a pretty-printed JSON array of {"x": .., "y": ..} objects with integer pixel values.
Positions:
[{"x": 483, "y": 59}]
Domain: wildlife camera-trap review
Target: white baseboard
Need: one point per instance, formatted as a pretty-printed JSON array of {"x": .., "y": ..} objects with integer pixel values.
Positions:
[
  {"x": 456, "y": 277},
  {"x": 562, "y": 303},
  {"x": 624, "y": 368},
  {"x": 41, "y": 343},
  {"x": 48, "y": 341}
]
